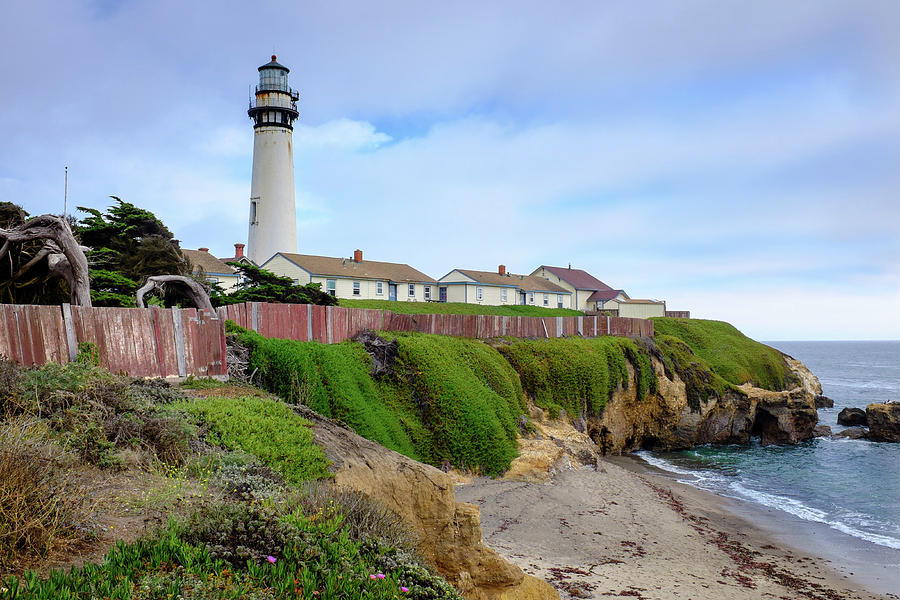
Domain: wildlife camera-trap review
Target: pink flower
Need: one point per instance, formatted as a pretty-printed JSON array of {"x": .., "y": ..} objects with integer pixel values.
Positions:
[
  {"x": 372, "y": 576},
  {"x": 380, "y": 576},
  {"x": 404, "y": 589},
  {"x": 271, "y": 559}
]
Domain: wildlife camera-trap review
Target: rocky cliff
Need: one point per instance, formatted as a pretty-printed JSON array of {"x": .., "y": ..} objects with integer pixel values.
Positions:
[
  {"x": 667, "y": 420},
  {"x": 449, "y": 532}
]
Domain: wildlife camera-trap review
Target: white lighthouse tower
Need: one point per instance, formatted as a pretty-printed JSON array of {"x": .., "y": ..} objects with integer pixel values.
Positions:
[{"x": 273, "y": 222}]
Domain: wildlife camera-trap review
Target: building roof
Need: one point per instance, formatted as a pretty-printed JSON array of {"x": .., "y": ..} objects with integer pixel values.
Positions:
[
  {"x": 604, "y": 295},
  {"x": 580, "y": 280},
  {"x": 643, "y": 301},
  {"x": 203, "y": 260},
  {"x": 274, "y": 65},
  {"x": 525, "y": 282},
  {"x": 329, "y": 266}
]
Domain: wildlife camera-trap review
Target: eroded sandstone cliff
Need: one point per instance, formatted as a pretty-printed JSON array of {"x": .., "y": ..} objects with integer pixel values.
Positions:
[
  {"x": 667, "y": 420},
  {"x": 423, "y": 496}
]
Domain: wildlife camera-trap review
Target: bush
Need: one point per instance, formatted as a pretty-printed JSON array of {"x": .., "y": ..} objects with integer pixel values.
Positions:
[
  {"x": 266, "y": 428},
  {"x": 333, "y": 380},
  {"x": 41, "y": 501},
  {"x": 577, "y": 375}
]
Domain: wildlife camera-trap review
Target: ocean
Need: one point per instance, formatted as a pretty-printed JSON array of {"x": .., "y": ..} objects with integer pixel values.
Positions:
[{"x": 844, "y": 494}]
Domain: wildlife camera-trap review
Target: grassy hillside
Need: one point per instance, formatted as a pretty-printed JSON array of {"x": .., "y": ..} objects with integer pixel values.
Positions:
[
  {"x": 447, "y": 399},
  {"x": 577, "y": 375},
  {"x": 727, "y": 352},
  {"x": 88, "y": 457},
  {"x": 460, "y": 308}
]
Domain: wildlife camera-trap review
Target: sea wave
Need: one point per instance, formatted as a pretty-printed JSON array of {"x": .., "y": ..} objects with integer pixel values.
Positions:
[
  {"x": 704, "y": 479},
  {"x": 808, "y": 513}
]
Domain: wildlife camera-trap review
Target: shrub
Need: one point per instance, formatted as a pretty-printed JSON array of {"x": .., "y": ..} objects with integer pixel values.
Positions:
[
  {"x": 333, "y": 380},
  {"x": 578, "y": 375},
  {"x": 41, "y": 501},
  {"x": 266, "y": 428},
  {"x": 248, "y": 482}
]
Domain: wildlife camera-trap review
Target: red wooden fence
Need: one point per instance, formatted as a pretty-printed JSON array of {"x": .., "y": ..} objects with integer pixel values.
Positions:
[
  {"x": 335, "y": 324},
  {"x": 144, "y": 342},
  {"x": 172, "y": 342}
]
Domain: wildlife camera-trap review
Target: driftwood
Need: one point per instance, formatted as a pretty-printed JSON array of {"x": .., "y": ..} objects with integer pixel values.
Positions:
[
  {"x": 194, "y": 290},
  {"x": 65, "y": 256}
]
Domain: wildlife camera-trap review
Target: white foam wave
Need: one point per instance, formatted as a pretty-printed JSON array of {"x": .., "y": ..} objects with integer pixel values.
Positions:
[
  {"x": 807, "y": 513},
  {"x": 697, "y": 478}
]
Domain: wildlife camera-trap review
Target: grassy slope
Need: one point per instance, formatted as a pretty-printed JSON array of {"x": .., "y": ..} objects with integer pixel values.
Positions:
[
  {"x": 727, "y": 352},
  {"x": 578, "y": 375},
  {"x": 450, "y": 398},
  {"x": 78, "y": 420},
  {"x": 460, "y": 308}
]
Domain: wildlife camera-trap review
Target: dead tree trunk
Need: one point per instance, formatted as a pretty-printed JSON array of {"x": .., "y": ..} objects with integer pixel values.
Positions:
[
  {"x": 194, "y": 290},
  {"x": 68, "y": 259}
]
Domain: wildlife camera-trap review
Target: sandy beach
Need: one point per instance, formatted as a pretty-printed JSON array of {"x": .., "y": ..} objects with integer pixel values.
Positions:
[{"x": 622, "y": 531}]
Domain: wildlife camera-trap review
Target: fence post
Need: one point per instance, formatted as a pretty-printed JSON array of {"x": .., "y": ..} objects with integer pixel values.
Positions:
[
  {"x": 580, "y": 322},
  {"x": 608, "y": 332},
  {"x": 559, "y": 327},
  {"x": 179, "y": 341},
  {"x": 70, "y": 332},
  {"x": 544, "y": 324},
  {"x": 328, "y": 334},
  {"x": 254, "y": 316},
  {"x": 309, "y": 336}
]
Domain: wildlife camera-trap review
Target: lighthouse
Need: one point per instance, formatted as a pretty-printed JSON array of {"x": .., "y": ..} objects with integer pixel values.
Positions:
[{"x": 273, "y": 218}]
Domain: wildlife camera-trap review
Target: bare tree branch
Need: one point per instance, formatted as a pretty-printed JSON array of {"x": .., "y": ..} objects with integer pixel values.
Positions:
[
  {"x": 195, "y": 291},
  {"x": 51, "y": 227}
]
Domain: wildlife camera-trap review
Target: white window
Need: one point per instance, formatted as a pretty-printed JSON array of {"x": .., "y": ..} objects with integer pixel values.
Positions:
[
  {"x": 412, "y": 290},
  {"x": 215, "y": 279},
  {"x": 502, "y": 294},
  {"x": 428, "y": 292},
  {"x": 546, "y": 299},
  {"x": 296, "y": 281},
  {"x": 559, "y": 301},
  {"x": 330, "y": 286},
  {"x": 379, "y": 288},
  {"x": 479, "y": 293},
  {"x": 356, "y": 288},
  {"x": 530, "y": 297}
]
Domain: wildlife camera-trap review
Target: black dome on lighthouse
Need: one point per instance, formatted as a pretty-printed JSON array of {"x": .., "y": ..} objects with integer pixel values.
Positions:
[{"x": 274, "y": 65}]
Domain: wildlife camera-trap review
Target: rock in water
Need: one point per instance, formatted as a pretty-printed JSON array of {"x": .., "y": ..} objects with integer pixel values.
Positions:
[
  {"x": 822, "y": 431},
  {"x": 853, "y": 433},
  {"x": 824, "y": 402},
  {"x": 850, "y": 417},
  {"x": 884, "y": 422}
]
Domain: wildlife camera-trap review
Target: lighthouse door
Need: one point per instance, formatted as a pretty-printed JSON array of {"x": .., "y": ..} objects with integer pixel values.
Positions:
[{"x": 392, "y": 291}]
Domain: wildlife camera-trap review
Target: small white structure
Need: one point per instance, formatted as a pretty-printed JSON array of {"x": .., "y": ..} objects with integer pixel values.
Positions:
[{"x": 273, "y": 217}]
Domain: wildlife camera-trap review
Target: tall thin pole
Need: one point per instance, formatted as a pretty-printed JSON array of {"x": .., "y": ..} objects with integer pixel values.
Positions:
[{"x": 66, "y": 192}]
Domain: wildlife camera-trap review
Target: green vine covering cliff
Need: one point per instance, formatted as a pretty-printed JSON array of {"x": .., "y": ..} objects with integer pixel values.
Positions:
[
  {"x": 446, "y": 399},
  {"x": 725, "y": 351},
  {"x": 577, "y": 375}
]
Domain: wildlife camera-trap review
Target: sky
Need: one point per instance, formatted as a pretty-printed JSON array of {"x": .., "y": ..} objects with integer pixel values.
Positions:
[{"x": 740, "y": 160}]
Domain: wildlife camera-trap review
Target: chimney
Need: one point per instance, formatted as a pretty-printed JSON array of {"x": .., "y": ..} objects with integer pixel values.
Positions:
[
  {"x": 357, "y": 255},
  {"x": 203, "y": 249},
  {"x": 501, "y": 269},
  {"x": 239, "y": 250}
]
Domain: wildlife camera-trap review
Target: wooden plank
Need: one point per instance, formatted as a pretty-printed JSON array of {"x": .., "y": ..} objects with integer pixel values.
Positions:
[
  {"x": 69, "y": 324},
  {"x": 5, "y": 346},
  {"x": 180, "y": 358}
]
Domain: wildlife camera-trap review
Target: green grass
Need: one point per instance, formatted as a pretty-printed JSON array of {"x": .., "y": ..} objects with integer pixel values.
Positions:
[
  {"x": 266, "y": 428},
  {"x": 460, "y": 308},
  {"x": 576, "y": 375},
  {"x": 450, "y": 399},
  {"x": 727, "y": 352}
]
